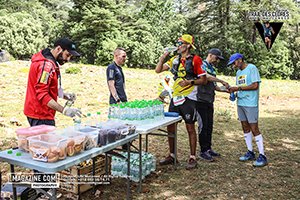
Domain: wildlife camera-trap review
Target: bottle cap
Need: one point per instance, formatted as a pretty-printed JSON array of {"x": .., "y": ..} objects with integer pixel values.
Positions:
[
  {"x": 10, "y": 151},
  {"x": 98, "y": 113},
  {"x": 18, "y": 154},
  {"x": 88, "y": 114}
]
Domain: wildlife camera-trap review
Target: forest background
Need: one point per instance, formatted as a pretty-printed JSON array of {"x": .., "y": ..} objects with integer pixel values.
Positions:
[{"x": 146, "y": 27}]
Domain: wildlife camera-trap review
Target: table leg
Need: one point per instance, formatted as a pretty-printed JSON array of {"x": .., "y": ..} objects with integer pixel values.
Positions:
[
  {"x": 128, "y": 171},
  {"x": 12, "y": 170},
  {"x": 0, "y": 182},
  {"x": 54, "y": 194},
  {"x": 175, "y": 145},
  {"x": 78, "y": 187},
  {"x": 140, "y": 163},
  {"x": 93, "y": 172},
  {"x": 106, "y": 164},
  {"x": 146, "y": 142}
]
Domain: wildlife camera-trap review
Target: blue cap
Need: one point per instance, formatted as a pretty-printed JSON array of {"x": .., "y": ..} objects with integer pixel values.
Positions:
[{"x": 234, "y": 57}]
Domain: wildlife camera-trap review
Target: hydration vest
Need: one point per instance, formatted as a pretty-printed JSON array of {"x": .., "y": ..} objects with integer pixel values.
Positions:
[
  {"x": 206, "y": 93},
  {"x": 189, "y": 68}
]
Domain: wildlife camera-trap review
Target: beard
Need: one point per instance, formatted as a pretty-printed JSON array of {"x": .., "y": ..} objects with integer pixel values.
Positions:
[{"x": 60, "y": 59}]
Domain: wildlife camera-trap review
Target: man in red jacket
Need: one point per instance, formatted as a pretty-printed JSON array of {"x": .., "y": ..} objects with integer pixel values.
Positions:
[{"x": 44, "y": 84}]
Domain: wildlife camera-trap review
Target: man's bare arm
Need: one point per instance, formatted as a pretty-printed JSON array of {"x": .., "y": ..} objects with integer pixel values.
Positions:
[
  {"x": 160, "y": 67},
  {"x": 112, "y": 89},
  {"x": 55, "y": 106}
]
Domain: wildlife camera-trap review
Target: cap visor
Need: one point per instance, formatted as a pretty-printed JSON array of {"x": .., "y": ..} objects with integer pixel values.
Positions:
[
  {"x": 220, "y": 57},
  {"x": 230, "y": 62},
  {"x": 74, "y": 53}
]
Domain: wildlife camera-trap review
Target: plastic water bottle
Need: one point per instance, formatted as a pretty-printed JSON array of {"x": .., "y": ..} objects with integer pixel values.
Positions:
[
  {"x": 98, "y": 119},
  {"x": 153, "y": 167},
  {"x": 232, "y": 97},
  {"x": 170, "y": 49},
  {"x": 134, "y": 171},
  {"x": 88, "y": 121},
  {"x": 77, "y": 122},
  {"x": 117, "y": 166}
]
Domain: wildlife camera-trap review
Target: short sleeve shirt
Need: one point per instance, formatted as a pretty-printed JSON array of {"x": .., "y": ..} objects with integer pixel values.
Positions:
[
  {"x": 186, "y": 91},
  {"x": 114, "y": 72},
  {"x": 246, "y": 77}
]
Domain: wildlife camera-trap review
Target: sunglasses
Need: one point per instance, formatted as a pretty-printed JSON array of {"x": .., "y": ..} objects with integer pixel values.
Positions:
[{"x": 181, "y": 43}]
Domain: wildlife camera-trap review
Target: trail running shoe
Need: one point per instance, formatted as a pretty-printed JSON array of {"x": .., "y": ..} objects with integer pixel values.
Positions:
[
  {"x": 192, "y": 163},
  {"x": 250, "y": 155},
  {"x": 260, "y": 161},
  {"x": 169, "y": 160},
  {"x": 206, "y": 156},
  {"x": 213, "y": 153}
]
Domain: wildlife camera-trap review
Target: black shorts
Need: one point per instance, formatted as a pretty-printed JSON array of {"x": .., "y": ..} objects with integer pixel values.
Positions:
[
  {"x": 187, "y": 110},
  {"x": 268, "y": 36}
]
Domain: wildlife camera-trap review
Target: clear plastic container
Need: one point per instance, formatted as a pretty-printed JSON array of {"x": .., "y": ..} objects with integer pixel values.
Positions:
[
  {"x": 48, "y": 147},
  {"x": 92, "y": 136},
  {"x": 24, "y": 133},
  {"x": 76, "y": 142}
]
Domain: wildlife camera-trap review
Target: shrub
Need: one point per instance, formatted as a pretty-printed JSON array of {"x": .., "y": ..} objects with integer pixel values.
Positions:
[{"x": 73, "y": 70}]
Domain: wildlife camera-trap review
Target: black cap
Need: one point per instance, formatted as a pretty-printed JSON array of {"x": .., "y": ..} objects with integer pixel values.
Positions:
[
  {"x": 68, "y": 45},
  {"x": 216, "y": 52}
]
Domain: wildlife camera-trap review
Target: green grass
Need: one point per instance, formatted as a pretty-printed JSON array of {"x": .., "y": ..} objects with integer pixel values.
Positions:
[{"x": 227, "y": 178}]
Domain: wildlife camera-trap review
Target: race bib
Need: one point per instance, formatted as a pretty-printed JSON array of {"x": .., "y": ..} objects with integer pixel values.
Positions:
[
  {"x": 242, "y": 80},
  {"x": 178, "y": 100}
]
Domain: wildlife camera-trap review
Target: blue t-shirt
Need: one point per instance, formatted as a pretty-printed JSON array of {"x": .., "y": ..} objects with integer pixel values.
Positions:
[{"x": 246, "y": 77}]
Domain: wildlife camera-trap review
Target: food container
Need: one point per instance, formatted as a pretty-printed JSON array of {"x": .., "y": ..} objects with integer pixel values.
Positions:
[
  {"x": 48, "y": 147},
  {"x": 92, "y": 136},
  {"x": 24, "y": 133},
  {"x": 76, "y": 140},
  {"x": 102, "y": 137},
  {"x": 110, "y": 135}
]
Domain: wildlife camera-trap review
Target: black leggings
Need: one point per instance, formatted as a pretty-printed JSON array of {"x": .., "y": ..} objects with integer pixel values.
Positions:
[{"x": 206, "y": 112}]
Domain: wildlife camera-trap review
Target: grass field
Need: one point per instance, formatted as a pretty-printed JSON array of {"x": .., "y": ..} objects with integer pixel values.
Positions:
[{"x": 227, "y": 178}]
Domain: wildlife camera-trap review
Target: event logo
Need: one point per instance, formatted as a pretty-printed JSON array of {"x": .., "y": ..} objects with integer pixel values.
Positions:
[
  {"x": 268, "y": 30},
  {"x": 268, "y": 15}
]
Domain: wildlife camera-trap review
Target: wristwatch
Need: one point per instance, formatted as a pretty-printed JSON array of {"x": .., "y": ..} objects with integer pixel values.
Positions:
[{"x": 192, "y": 82}]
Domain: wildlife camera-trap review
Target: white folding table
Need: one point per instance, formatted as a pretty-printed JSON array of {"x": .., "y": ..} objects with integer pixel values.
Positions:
[
  {"x": 150, "y": 129},
  {"x": 25, "y": 160}
]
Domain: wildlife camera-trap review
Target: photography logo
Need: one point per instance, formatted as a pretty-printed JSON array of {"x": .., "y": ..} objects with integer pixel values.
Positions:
[
  {"x": 50, "y": 180},
  {"x": 37, "y": 180}
]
